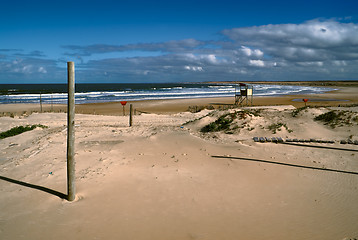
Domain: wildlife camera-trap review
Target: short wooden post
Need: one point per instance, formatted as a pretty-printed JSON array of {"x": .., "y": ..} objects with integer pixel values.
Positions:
[
  {"x": 71, "y": 188},
  {"x": 130, "y": 115}
]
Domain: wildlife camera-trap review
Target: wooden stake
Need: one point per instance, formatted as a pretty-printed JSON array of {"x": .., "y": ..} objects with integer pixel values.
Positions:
[
  {"x": 71, "y": 188},
  {"x": 130, "y": 114}
]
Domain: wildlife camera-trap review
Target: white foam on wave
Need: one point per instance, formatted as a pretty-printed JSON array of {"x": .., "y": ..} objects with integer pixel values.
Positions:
[{"x": 220, "y": 90}]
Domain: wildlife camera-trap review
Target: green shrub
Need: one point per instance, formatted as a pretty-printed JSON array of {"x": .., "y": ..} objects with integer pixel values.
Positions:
[
  {"x": 298, "y": 110},
  {"x": 327, "y": 117},
  {"x": 222, "y": 123},
  {"x": 355, "y": 119},
  {"x": 330, "y": 118},
  {"x": 18, "y": 130},
  {"x": 277, "y": 127}
]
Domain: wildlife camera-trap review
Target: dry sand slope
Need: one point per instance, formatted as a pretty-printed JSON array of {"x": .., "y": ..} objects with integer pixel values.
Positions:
[{"x": 159, "y": 179}]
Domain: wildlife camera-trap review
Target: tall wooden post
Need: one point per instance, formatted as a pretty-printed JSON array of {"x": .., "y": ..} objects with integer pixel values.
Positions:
[
  {"x": 71, "y": 188},
  {"x": 130, "y": 115}
]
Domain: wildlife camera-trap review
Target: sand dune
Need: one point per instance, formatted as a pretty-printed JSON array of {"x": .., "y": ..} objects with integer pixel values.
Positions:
[{"x": 160, "y": 179}]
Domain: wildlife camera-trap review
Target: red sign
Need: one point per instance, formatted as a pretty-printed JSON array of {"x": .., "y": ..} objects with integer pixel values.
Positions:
[
  {"x": 305, "y": 100},
  {"x": 123, "y": 102}
]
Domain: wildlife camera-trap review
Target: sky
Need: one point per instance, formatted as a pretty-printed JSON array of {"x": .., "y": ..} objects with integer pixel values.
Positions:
[{"x": 178, "y": 41}]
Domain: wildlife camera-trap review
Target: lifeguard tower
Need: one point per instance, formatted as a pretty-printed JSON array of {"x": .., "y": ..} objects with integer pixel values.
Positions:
[{"x": 243, "y": 93}]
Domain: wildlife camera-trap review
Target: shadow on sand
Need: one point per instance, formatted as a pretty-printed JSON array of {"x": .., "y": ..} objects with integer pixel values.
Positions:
[
  {"x": 324, "y": 147},
  {"x": 287, "y": 164},
  {"x": 44, "y": 189}
]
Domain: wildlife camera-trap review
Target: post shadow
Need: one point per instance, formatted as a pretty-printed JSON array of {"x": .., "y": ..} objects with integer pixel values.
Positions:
[
  {"x": 44, "y": 189},
  {"x": 287, "y": 164}
]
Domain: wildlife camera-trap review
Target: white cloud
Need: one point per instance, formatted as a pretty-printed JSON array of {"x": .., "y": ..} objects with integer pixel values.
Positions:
[
  {"x": 317, "y": 64},
  {"x": 42, "y": 70},
  {"x": 211, "y": 58},
  {"x": 249, "y": 52},
  {"x": 27, "y": 69},
  {"x": 340, "y": 63},
  {"x": 257, "y": 63},
  {"x": 194, "y": 68},
  {"x": 299, "y": 51},
  {"x": 311, "y": 40},
  {"x": 317, "y": 49},
  {"x": 208, "y": 58}
]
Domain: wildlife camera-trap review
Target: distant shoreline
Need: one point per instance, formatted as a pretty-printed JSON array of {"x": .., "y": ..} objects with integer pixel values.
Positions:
[
  {"x": 99, "y": 93},
  {"x": 344, "y": 96},
  {"x": 340, "y": 83}
]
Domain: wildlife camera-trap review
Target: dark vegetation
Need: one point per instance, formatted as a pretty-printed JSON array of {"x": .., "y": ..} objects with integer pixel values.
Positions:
[
  {"x": 298, "y": 110},
  {"x": 277, "y": 127},
  {"x": 229, "y": 124},
  {"x": 337, "y": 118},
  {"x": 18, "y": 130},
  {"x": 195, "y": 109},
  {"x": 223, "y": 123},
  {"x": 197, "y": 119}
]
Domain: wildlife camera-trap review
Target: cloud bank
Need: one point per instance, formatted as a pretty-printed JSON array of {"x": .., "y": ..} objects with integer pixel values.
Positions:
[{"x": 313, "y": 50}]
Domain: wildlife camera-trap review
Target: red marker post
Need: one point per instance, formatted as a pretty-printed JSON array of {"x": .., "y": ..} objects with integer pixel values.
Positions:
[
  {"x": 123, "y": 104},
  {"x": 305, "y": 101}
]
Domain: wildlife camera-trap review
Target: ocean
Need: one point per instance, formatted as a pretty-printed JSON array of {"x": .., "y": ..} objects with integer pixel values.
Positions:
[{"x": 115, "y": 92}]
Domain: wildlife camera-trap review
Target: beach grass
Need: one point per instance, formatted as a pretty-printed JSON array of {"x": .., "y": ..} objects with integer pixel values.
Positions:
[
  {"x": 19, "y": 129},
  {"x": 337, "y": 118},
  {"x": 277, "y": 127},
  {"x": 224, "y": 122}
]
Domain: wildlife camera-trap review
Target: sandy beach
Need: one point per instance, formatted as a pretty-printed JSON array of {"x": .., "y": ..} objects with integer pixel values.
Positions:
[
  {"x": 166, "y": 178},
  {"x": 339, "y": 96}
]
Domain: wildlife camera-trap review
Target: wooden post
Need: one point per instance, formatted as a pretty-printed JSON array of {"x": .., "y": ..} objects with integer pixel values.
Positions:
[
  {"x": 252, "y": 95},
  {"x": 130, "y": 114},
  {"x": 71, "y": 188}
]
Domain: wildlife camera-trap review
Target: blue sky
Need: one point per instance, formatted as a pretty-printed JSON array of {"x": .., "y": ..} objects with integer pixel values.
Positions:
[{"x": 178, "y": 41}]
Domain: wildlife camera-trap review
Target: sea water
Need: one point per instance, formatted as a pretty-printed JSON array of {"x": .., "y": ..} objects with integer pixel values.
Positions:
[{"x": 115, "y": 92}]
